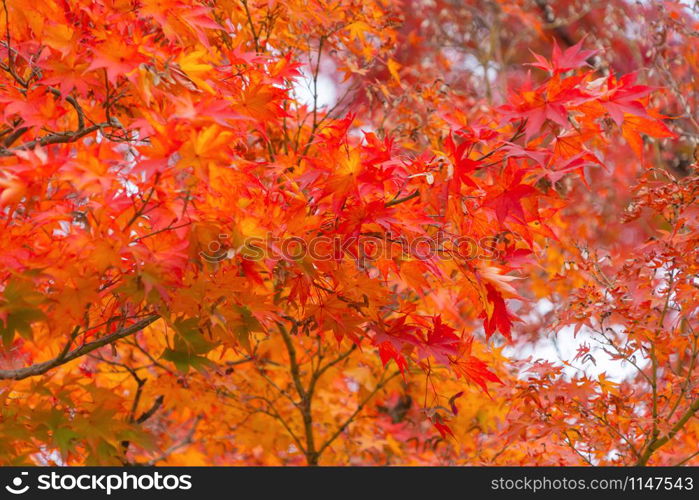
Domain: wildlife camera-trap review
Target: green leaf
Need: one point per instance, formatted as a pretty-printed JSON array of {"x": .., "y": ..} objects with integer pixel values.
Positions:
[
  {"x": 185, "y": 360},
  {"x": 63, "y": 438},
  {"x": 246, "y": 325},
  {"x": 189, "y": 347},
  {"x": 19, "y": 310},
  {"x": 19, "y": 321},
  {"x": 190, "y": 338}
]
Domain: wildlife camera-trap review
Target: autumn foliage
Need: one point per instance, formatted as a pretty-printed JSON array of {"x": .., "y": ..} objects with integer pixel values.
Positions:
[{"x": 349, "y": 232}]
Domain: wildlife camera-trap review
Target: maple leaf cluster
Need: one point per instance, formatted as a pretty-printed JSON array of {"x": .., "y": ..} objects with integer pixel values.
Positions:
[{"x": 206, "y": 260}]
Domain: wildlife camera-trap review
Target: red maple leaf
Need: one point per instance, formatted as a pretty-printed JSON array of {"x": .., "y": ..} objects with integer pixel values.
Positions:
[
  {"x": 571, "y": 58},
  {"x": 441, "y": 342},
  {"x": 508, "y": 202},
  {"x": 500, "y": 319},
  {"x": 471, "y": 368}
]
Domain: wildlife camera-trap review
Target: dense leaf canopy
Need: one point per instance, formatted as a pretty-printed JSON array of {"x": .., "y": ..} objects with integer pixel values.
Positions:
[{"x": 349, "y": 232}]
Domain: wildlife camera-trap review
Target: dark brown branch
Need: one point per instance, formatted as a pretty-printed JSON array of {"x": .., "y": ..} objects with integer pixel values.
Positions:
[
  {"x": 304, "y": 405},
  {"x": 140, "y": 211},
  {"x": 255, "y": 35},
  {"x": 316, "y": 376},
  {"x": 685, "y": 460},
  {"x": 356, "y": 412},
  {"x": 41, "y": 368},
  {"x": 398, "y": 201},
  {"x": 55, "y": 138},
  {"x": 188, "y": 439},
  {"x": 656, "y": 443},
  {"x": 316, "y": 71},
  {"x": 151, "y": 411},
  {"x": 276, "y": 416},
  {"x": 550, "y": 18},
  {"x": 10, "y": 68},
  {"x": 66, "y": 348},
  {"x": 73, "y": 102},
  {"x": 16, "y": 134}
]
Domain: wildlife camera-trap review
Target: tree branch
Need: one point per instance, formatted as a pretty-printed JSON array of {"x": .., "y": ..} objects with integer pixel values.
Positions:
[
  {"x": 41, "y": 368},
  {"x": 151, "y": 411},
  {"x": 304, "y": 406},
  {"x": 398, "y": 201},
  {"x": 188, "y": 439},
  {"x": 55, "y": 138},
  {"x": 356, "y": 412},
  {"x": 656, "y": 443}
]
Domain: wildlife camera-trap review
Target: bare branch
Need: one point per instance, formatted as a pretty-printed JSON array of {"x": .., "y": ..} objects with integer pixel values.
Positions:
[
  {"x": 41, "y": 368},
  {"x": 188, "y": 439},
  {"x": 356, "y": 412}
]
